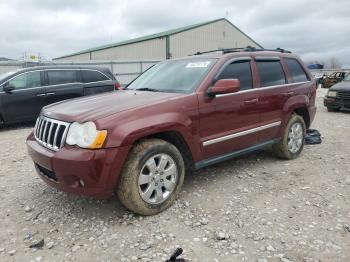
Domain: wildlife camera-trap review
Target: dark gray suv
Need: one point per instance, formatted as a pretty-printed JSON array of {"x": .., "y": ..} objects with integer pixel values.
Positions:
[{"x": 24, "y": 92}]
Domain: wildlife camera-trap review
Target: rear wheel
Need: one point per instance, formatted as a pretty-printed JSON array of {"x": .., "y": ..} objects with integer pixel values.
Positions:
[
  {"x": 152, "y": 177},
  {"x": 293, "y": 139}
]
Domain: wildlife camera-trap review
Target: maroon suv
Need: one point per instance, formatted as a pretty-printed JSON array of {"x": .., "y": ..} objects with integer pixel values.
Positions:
[{"x": 180, "y": 114}]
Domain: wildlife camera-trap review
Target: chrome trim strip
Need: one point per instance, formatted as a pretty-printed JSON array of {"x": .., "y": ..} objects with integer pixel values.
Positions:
[
  {"x": 86, "y": 69},
  {"x": 239, "y": 134},
  {"x": 263, "y": 88}
]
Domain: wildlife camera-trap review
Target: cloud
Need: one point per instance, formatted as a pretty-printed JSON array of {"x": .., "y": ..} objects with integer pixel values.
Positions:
[{"x": 317, "y": 30}]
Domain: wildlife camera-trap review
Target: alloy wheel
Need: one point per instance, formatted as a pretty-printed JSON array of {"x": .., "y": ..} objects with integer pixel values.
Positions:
[{"x": 158, "y": 178}]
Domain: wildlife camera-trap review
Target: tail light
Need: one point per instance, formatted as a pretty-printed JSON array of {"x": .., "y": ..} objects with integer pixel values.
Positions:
[{"x": 117, "y": 86}]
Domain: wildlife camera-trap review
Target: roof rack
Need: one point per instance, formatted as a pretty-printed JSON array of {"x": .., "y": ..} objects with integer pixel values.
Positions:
[{"x": 243, "y": 49}]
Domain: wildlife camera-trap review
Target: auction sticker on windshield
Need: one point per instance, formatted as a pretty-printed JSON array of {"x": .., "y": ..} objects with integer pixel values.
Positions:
[{"x": 198, "y": 64}]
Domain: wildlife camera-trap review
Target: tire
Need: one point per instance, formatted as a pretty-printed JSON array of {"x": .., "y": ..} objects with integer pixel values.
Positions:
[
  {"x": 331, "y": 109},
  {"x": 144, "y": 165},
  {"x": 282, "y": 149}
]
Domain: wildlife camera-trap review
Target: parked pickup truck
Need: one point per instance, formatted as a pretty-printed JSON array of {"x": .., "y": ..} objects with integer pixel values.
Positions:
[{"x": 181, "y": 114}]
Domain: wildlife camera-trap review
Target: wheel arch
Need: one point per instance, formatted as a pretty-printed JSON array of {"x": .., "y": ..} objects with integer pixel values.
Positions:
[
  {"x": 297, "y": 105},
  {"x": 304, "y": 113},
  {"x": 175, "y": 138}
]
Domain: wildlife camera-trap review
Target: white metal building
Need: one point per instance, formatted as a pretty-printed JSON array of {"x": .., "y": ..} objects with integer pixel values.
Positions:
[{"x": 219, "y": 33}]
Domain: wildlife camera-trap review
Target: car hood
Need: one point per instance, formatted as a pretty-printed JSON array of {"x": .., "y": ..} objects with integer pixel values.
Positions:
[
  {"x": 98, "y": 106},
  {"x": 341, "y": 86}
]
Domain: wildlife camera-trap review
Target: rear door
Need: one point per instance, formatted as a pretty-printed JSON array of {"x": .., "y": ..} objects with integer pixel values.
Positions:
[
  {"x": 273, "y": 93},
  {"x": 26, "y": 100},
  {"x": 63, "y": 84},
  {"x": 227, "y": 122},
  {"x": 96, "y": 82}
]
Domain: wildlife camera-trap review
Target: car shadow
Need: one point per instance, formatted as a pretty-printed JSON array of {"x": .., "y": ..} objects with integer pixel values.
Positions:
[
  {"x": 233, "y": 166},
  {"x": 83, "y": 206}
]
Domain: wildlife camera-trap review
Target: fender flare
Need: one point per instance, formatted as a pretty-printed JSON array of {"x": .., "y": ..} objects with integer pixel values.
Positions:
[
  {"x": 293, "y": 103},
  {"x": 129, "y": 132}
]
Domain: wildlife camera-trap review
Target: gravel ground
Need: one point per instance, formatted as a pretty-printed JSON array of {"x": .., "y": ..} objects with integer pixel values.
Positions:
[{"x": 254, "y": 208}]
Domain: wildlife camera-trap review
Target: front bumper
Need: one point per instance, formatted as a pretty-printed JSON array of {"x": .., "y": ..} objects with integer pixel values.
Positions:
[
  {"x": 80, "y": 171},
  {"x": 334, "y": 102}
]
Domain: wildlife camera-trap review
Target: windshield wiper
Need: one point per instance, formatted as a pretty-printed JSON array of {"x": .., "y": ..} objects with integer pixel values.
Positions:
[{"x": 147, "y": 89}]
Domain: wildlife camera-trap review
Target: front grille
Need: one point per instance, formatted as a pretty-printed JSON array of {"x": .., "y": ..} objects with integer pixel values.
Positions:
[
  {"x": 344, "y": 95},
  {"x": 50, "y": 133}
]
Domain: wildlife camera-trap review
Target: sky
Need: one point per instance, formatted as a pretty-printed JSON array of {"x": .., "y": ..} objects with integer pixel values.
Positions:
[{"x": 316, "y": 30}]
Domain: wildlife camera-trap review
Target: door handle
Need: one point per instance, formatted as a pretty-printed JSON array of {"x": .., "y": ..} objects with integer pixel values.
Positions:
[
  {"x": 288, "y": 94},
  {"x": 39, "y": 95},
  {"x": 250, "y": 102},
  {"x": 50, "y": 94}
]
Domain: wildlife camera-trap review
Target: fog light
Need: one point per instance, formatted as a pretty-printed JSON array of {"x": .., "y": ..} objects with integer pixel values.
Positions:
[{"x": 81, "y": 183}]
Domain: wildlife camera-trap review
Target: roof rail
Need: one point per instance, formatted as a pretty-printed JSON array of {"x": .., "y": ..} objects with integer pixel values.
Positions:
[{"x": 243, "y": 49}]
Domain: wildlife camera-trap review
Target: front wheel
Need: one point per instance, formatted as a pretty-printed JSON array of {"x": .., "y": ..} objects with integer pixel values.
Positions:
[
  {"x": 292, "y": 142},
  {"x": 151, "y": 177}
]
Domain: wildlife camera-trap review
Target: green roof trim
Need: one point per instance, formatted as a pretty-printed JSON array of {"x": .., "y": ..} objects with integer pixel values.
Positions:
[{"x": 155, "y": 36}]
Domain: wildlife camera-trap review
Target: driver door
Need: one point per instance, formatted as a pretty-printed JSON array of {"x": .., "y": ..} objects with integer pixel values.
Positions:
[
  {"x": 26, "y": 100},
  {"x": 227, "y": 121}
]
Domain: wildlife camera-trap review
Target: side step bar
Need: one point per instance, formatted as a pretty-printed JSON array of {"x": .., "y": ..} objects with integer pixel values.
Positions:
[{"x": 226, "y": 156}]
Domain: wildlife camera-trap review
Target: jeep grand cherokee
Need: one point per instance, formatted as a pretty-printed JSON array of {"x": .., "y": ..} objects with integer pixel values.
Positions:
[{"x": 180, "y": 114}]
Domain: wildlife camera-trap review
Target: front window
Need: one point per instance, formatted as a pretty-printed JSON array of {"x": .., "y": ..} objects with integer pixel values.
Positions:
[
  {"x": 239, "y": 70},
  {"x": 26, "y": 80},
  {"x": 175, "y": 76}
]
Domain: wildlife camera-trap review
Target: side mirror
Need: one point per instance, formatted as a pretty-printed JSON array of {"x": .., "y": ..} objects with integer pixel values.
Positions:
[
  {"x": 224, "y": 86},
  {"x": 8, "y": 87}
]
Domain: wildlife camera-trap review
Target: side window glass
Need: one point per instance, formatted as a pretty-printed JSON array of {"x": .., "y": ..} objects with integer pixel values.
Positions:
[
  {"x": 33, "y": 79},
  {"x": 271, "y": 73},
  {"x": 57, "y": 77},
  {"x": 239, "y": 70},
  {"x": 27, "y": 80},
  {"x": 92, "y": 76},
  {"x": 297, "y": 72}
]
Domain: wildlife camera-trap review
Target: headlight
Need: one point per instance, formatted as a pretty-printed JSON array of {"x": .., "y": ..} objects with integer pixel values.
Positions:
[
  {"x": 85, "y": 135},
  {"x": 332, "y": 94}
]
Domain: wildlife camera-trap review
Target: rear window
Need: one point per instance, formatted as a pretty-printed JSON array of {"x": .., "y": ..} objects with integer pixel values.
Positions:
[
  {"x": 271, "y": 73},
  {"x": 297, "y": 72},
  {"x": 57, "y": 77},
  {"x": 93, "y": 76}
]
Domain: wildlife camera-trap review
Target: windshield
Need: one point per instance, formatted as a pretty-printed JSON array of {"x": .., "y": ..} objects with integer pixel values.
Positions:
[
  {"x": 177, "y": 76},
  {"x": 347, "y": 77}
]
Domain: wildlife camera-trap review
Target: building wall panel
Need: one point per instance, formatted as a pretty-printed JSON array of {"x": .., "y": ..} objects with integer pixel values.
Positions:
[
  {"x": 220, "y": 34},
  {"x": 151, "y": 49},
  {"x": 81, "y": 57}
]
